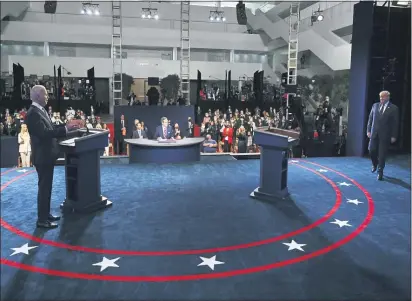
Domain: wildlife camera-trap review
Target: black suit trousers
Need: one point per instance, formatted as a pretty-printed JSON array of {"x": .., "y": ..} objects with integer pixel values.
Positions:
[
  {"x": 45, "y": 184},
  {"x": 378, "y": 150}
]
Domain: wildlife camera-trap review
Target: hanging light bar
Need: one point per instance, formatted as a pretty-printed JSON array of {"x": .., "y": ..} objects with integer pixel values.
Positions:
[
  {"x": 150, "y": 13},
  {"x": 218, "y": 16},
  {"x": 90, "y": 9}
]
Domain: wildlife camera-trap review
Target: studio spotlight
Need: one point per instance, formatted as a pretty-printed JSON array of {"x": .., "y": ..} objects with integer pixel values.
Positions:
[{"x": 317, "y": 16}]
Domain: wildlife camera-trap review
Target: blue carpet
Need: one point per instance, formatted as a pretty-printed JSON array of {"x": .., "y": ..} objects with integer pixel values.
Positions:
[{"x": 183, "y": 208}]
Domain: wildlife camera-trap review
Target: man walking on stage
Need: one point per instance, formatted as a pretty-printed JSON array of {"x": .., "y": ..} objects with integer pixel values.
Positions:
[
  {"x": 382, "y": 130},
  {"x": 45, "y": 151}
]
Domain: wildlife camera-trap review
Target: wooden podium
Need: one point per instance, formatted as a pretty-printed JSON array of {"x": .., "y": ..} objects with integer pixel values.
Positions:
[
  {"x": 274, "y": 147},
  {"x": 82, "y": 167}
]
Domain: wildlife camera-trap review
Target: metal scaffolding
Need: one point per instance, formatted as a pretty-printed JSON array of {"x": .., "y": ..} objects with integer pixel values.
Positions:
[
  {"x": 293, "y": 49},
  {"x": 117, "y": 54},
  {"x": 185, "y": 51}
]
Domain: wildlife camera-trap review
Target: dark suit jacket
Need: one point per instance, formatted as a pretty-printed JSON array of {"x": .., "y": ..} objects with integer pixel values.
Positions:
[
  {"x": 136, "y": 134},
  {"x": 43, "y": 134},
  {"x": 159, "y": 132},
  {"x": 385, "y": 125}
]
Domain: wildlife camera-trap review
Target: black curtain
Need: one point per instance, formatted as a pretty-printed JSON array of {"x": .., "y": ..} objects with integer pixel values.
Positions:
[
  {"x": 18, "y": 79},
  {"x": 60, "y": 91},
  {"x": 381, "y": 35}
]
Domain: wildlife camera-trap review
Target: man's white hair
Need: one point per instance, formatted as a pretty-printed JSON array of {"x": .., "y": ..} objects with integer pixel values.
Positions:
[
  {"x": 385, "y": 93},
  {"x": 36, "y": 92}
]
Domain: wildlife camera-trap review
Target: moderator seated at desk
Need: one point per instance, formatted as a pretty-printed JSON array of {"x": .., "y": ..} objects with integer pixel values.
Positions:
[{"x": 154, "y": 151}]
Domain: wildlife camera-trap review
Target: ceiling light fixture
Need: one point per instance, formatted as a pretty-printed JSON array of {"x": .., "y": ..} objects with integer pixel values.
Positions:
[
  {"x": 218, "y": 16},
  {"x": 90, "y": 9},
  {"x": 150, "y": 13}
]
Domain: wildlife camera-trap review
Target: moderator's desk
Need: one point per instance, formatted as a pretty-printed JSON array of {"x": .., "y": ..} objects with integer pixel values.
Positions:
[{"x": 153, "y": 151}]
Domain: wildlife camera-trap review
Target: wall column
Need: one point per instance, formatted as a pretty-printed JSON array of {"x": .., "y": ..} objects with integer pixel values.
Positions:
[
  {"x": 174, "y": 54},
  {"x": 232, "y": 56},
  {"x": 46, "y": 49}
]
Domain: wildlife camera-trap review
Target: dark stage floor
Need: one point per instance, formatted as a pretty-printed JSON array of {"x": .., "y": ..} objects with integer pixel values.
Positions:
[{"x": 191, "y": 232}]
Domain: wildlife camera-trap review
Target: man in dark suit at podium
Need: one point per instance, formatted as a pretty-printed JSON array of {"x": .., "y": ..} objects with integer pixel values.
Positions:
[
  {"x": 382, "y": 129},
  {"x": 139, "y": 133},
  {"x": 45, "y": 150},
  {"x": 164, "y": 131}
]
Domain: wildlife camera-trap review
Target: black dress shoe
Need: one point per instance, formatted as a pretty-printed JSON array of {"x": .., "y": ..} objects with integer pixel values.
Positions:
[
  {"x": 374, "y": 168},
  {"x": 46, "y": 225},
  {"x": 53, "y": 218},
  {"x": 380, "y": 175}
]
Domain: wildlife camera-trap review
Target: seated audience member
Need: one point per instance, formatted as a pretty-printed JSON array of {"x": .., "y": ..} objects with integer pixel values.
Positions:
[
  {"x": 210, "y": 145},
  {"x": 98, "y": 124},
  {"x": 164, "y": 131},
  {"x": 139, "y": 133},
  {"x": 144, "y": 127},
  {"x": 203, "y": 130},
  {"x": 107, "y": 148},
  {"x": 89, "y": 125},
  {"x": 176, "y": 132},
  {"x": 24, "y": 146}
]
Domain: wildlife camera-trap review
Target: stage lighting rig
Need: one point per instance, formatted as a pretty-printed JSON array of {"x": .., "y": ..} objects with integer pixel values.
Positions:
[
  {"x": 90, "y": 9},
  {"x": 317, "y": 16},
  {"x": 218, "y": 16},
  {"x": 150, "y": 13}
]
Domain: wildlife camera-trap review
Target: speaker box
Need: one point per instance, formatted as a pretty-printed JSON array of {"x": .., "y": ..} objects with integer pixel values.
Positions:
[
  {"x": 153, "y": 81},
  {"x": 50, "y": 7},
  {"x": 241, "y": 13}
]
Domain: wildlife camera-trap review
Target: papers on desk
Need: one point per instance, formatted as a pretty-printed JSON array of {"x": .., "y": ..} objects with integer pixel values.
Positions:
[
  {"x": 68, "y": 141},
  {"x": 166, "y": 141}
]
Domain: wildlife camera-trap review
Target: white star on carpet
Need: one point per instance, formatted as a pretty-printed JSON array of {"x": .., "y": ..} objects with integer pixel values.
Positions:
[
  {"x": 210, "y": 262},
  {"x": 344, "y": 184},
  {"x": 322, "y": 170},
  {"x": 107, "y": 263},
  {"x": 294, "y": 161},
  {"x": 341, "y": 223},
  {"x": 356, "y": 202},
  {"x": 24, "y": 249},
  {"x": 22, "y": 170},
  {"x": 293, "y": 245}
]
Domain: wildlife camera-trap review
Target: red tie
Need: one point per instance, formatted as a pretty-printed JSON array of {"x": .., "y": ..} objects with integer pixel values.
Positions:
[{"x": 164, "y": 133}]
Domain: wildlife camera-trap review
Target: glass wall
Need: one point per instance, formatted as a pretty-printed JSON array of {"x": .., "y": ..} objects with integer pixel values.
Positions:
[
  {"x": 79, "y": 50},
  {"x": 208, "y": 55},
  {"x": 22, "y": 48},
  {"x": 148, "y": 53},
  {"x": 250, "y": 57}
]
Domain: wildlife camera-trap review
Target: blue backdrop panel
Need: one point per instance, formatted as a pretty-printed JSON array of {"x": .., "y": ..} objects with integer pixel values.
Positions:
[
  {"x": 359, "y": 78},
  {"x": 151, "y": 116}
]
